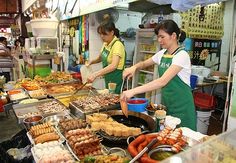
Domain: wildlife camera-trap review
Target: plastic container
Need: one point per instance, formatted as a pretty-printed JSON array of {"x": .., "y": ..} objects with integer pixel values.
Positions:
[
  {"x": 44, "y": 27},
  {"x": 193, "y": 81},
  {"x": 200, "y": 71},
  {"x": 41, "y": 71},
  {"x": 137, "y": 104},
  {"x": 20, "y": 140},
  {"x": 203, "y": 118},
  {"x": 204, "y": 100},
  {"x": 29, "y": 29}
]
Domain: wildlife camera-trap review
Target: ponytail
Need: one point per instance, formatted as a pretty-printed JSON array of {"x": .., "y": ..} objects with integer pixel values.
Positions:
[{"x": 182, "y": 36}]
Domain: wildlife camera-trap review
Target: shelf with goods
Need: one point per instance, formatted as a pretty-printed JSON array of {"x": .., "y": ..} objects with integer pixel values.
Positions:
[{"x": 146, "y": 47}]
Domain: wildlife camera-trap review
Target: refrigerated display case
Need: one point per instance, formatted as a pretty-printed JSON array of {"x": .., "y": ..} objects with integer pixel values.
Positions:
[
  {"x": 220, "y": 149},
  {"x": 146, "y": 46}
]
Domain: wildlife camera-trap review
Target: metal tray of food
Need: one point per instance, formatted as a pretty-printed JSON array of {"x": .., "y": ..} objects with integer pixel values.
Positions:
[
  {"x": 52, "y": 151},
  {"x": 38, "y": 94},
  {"x": 94, "y": 103},
  {"x": 23, "y": 111},
  {"x": 81, "y": 113},
  {"x": 51, "y": 107},
  {"x": 84, "y": 138},
  {"x": 80, "y": 93},
  {"x": 64, "y": 89},
  {"x": 17, "y": 97},
  {"x": 32, "y": 109},
  {"x": 61, "y": 138}
]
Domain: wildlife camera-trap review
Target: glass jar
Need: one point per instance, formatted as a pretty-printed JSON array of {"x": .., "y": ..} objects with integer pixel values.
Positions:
[{"x": 160, "y": 124}]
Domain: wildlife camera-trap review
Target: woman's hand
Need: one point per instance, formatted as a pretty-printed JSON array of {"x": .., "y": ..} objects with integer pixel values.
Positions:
[
  {"x": 126, "y": 95},
  {"x": 88, "y": 63},
  {"x": 129, "y": 72},
  {"x": 91, "y": 78}
]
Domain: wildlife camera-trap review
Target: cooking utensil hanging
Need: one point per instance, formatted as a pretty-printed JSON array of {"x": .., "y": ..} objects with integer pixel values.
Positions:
[
  {"x": 72, "y": 9},
  {"x": 64, "y": 13},
  {"x": 56, "y": 7}
]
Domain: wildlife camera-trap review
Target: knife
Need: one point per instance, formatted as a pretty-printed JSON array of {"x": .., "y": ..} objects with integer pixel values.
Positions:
[{"x": 144, "y": 150}]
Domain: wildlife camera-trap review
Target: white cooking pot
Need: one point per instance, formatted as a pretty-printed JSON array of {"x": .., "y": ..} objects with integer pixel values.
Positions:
[{"x": 44, "y": 27}]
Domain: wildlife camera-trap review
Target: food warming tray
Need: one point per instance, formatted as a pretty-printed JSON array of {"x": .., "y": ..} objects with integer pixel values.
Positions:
[
  {"x": 15, "y": 98},
  {"x": 53, "y": 91},
  {"x": 81, "y": 113},
  {"x": 20, "y": 109}
]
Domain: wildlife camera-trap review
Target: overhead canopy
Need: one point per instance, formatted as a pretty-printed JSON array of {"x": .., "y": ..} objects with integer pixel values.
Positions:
[
  {"x": 146, "y": 6},
  {"x": 184, "y": 5}
]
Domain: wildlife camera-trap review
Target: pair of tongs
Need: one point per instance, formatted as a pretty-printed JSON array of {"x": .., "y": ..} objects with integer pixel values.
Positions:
[
  {"x": 123, "y": 104},
  {"x": 77, "y": 90}
]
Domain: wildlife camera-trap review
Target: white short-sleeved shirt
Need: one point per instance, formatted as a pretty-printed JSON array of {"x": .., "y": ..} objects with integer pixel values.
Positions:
[{"x": 181, "y": 59}]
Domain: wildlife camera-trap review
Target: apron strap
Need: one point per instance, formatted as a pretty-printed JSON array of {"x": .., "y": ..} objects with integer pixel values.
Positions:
[{"x": 176, "y": 50}]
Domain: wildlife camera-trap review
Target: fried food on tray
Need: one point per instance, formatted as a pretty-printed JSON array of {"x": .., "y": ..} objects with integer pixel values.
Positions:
[
  {"x": 55, "y": 77},
  {"x": 110, "y": 126},
  {"x": 30, "y": 85}
]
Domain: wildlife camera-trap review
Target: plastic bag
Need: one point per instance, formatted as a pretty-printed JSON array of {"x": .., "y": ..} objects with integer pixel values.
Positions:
[{"x": 20, "y": 140}]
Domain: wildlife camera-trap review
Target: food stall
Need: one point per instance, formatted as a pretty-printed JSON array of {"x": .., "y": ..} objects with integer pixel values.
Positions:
[
  {"x": 62, "y": 124},
  {"x": 89, "y": 125}
]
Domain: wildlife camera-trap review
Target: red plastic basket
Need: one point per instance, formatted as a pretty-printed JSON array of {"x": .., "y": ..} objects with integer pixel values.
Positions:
[{"x": 204, "y": 100}]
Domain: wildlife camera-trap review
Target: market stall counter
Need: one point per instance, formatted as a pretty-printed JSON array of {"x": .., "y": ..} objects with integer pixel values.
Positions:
[
  {"x": 91, "y": 125},
  {"x": 81, "y": 140}
]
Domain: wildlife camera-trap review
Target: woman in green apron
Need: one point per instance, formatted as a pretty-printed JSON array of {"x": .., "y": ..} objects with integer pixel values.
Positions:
[
  {"x": 174, "y": 68},
  {"x": 112, "y": 56}
]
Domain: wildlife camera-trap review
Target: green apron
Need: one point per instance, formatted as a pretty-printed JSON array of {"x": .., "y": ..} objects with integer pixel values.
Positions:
[
  {"x": 177, "y": 96},
  {"x": 114, "y": 76}
]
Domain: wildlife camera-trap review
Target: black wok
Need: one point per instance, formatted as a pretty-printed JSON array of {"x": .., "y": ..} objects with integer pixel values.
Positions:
[{"x": 135, "y": 119}]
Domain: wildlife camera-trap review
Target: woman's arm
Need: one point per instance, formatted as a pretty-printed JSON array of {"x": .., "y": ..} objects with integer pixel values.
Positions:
[
  {"x": 144, "y": 64},
  {"x": 171, "y": 72},
  {"x": 111, "y": 67},
  {"x": 129, "y": 72}
]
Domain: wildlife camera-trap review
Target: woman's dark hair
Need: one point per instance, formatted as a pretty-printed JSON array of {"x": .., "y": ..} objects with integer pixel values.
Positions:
[
  {"x": 17, "y": 40},
  {"x": 170, "y": 27},
  {"x": 108, "y": 26},
  {"x": 3, "y": 39}
]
